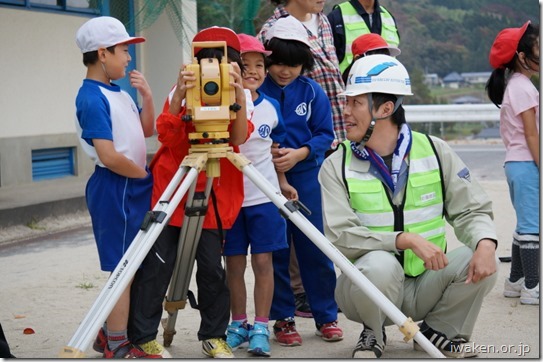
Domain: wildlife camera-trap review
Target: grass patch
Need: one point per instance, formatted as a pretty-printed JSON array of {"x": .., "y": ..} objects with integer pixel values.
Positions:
[
  {"x": 34, "y": 225},
  {"x": 86, "y": 285}
]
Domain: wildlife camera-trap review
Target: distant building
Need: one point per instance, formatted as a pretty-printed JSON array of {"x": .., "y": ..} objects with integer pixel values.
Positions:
[
  {"x": 431, "y": 79},
  {"x": 476, "y": 77},
  {"x": 453, "y": 80},
  {"x": 467, "y": 100}
]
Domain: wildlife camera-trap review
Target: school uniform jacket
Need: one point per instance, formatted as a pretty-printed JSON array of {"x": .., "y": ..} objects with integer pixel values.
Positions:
[{"x": 306, "y": 113}]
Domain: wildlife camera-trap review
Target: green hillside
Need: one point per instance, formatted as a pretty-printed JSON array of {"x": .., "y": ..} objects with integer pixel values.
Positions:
[
  {"x": 436, "y": 36},
  {"x": 442, "y": 36}
]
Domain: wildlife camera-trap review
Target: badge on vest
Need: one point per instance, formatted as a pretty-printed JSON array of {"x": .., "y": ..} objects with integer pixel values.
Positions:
[{"x": 428, "y": 197}]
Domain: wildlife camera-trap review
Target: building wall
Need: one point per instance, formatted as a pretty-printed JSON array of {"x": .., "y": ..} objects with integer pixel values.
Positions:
[{"x": 41, "y": 70}]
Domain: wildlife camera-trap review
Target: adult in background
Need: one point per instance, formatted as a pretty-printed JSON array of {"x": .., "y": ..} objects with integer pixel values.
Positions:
[
  {"x": 387, "y": 193},
  {"x": 353, "y": 18}
]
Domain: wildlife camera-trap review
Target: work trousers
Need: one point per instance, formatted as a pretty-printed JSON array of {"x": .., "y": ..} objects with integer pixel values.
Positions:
[
  {"x": 440, "y": 298},
  {"x": 152, "y": 279}
]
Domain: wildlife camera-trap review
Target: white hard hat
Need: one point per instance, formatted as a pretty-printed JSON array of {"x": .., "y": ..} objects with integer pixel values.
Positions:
[{"x": 377, "y": 73}]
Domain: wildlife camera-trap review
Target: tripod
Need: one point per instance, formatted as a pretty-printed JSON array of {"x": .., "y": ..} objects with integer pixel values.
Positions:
[{"x": 155, "y": 221}]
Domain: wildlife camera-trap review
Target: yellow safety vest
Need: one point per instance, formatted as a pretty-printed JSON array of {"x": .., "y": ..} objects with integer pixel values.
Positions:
[
  {"x": 422, "y": 209},
  {"x": 354, "y": 26}
]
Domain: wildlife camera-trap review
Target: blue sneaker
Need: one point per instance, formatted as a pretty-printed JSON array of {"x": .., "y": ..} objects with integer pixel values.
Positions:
[
  {"x": 259, "y": 340},
  {"x": 237, "y": 335}
]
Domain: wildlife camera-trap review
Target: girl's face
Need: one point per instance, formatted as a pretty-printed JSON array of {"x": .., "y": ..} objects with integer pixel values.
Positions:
[
  {"x": 284, "y": 74},
  {"x": 533, "y": 62},
  {"x": 255, "y": 70},
  {"x": 116, "y": 63}
]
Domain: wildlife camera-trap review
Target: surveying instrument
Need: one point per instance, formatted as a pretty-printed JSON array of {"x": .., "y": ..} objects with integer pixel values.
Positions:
[{"x": 210, "y": 105}]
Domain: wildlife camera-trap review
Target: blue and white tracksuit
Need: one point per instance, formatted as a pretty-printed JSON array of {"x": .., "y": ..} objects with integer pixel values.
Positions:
[{"x": 308, "y": 119}]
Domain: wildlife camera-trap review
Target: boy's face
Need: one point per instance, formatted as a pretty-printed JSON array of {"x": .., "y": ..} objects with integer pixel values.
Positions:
[
  {"x": 284, "y": 74},
  {"x": 255, "y": 70},
  {"x": 116, "y": 63}
]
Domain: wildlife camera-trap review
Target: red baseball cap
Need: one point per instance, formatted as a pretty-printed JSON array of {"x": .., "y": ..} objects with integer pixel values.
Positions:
[
  {"x": 250, "y": 44},
  {"x": 505, "y": 46},
  {"x": 367, "y": 42},
  {"x": 217, "y": 33}
]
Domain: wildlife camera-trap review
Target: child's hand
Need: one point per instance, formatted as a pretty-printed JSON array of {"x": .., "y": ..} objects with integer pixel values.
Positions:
[
  {"x": 185, "y": 80},
  {"x": 237, "y": 84},
  {"x": 286, "y": 158},
  {"x": 137, "y": 80},
  {"x": 289, "y": 191}
]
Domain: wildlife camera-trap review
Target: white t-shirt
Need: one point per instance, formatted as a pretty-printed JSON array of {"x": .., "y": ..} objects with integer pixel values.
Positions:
[
  {"x": 107, "y": 112},
  {"x": 312, "y": 24},
  {"x": 269, "y": 128}
]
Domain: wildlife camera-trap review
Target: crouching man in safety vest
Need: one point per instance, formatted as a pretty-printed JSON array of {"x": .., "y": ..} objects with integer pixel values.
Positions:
[{"x": 386, "y": 194}]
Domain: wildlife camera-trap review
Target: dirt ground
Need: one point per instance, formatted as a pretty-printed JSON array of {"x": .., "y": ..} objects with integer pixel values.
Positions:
[{"x": 49, "y": 284}]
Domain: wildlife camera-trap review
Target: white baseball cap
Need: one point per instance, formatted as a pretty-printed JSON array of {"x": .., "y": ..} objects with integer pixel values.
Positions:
[
  {"x": 288, "y": 28},
  {"x": 103, "y": 32}
]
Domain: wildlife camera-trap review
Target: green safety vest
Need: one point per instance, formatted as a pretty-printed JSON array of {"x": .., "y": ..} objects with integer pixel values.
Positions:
[
  {"x": 354, "y": 26},
  {"x": 421, "y": 210}
]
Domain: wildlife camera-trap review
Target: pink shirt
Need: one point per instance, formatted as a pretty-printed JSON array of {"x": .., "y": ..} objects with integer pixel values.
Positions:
[{"x": 520, "y": 95}]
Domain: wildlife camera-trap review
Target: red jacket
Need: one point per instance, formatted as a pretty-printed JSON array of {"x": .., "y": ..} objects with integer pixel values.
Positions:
[{"x": 228, "y": 187}]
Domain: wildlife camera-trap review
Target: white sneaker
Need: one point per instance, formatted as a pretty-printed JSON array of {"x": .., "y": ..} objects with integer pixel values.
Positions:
[
  {"x": 512, "y": 290},
  {"x": 530, "y": 296}
]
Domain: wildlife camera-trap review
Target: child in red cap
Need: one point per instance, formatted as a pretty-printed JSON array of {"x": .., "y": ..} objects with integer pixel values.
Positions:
[
  {"x": 515, "y": 58},
  {"x": 151, "y": 281},
  {"x": 368, "y": 44}
]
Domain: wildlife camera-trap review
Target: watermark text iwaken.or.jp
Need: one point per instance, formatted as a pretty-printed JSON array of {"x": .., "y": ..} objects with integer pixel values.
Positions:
[{"x": 519, "y": 350}]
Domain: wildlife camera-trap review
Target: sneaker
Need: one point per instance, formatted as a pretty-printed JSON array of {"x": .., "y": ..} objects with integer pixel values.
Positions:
[
  {"x": 302, "y": 306},
  {"x": 367, "y": 346},
  {"x": 100, "y": 342},
  {"x": 512, "y": 290},
  {"x": 285, "y": 332},
  {"x": 127, "y": 350},
  {"x": 456, "y": 348},
  {"x": 330, "y": 332},
  {"x": 530, "y": 296},
  {"x": 216, "y": 348},
  {"x": 237, "y": 335},
  {"x": 153, "y": 347},
  {"x": 259, "y": 340}
]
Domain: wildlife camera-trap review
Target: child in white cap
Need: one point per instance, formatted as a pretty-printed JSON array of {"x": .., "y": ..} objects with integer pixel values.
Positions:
[
  {"x": 112, "y": 132},
  {"x": 307, "y": 115}
]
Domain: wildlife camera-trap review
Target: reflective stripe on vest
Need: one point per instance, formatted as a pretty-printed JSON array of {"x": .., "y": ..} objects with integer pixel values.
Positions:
[
  {"x": 423, "y": 206},
  {"x": 354, "y": 26}
]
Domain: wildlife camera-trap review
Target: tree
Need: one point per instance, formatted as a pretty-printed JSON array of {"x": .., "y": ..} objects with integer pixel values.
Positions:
[{"x": 421, "y": 92}]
